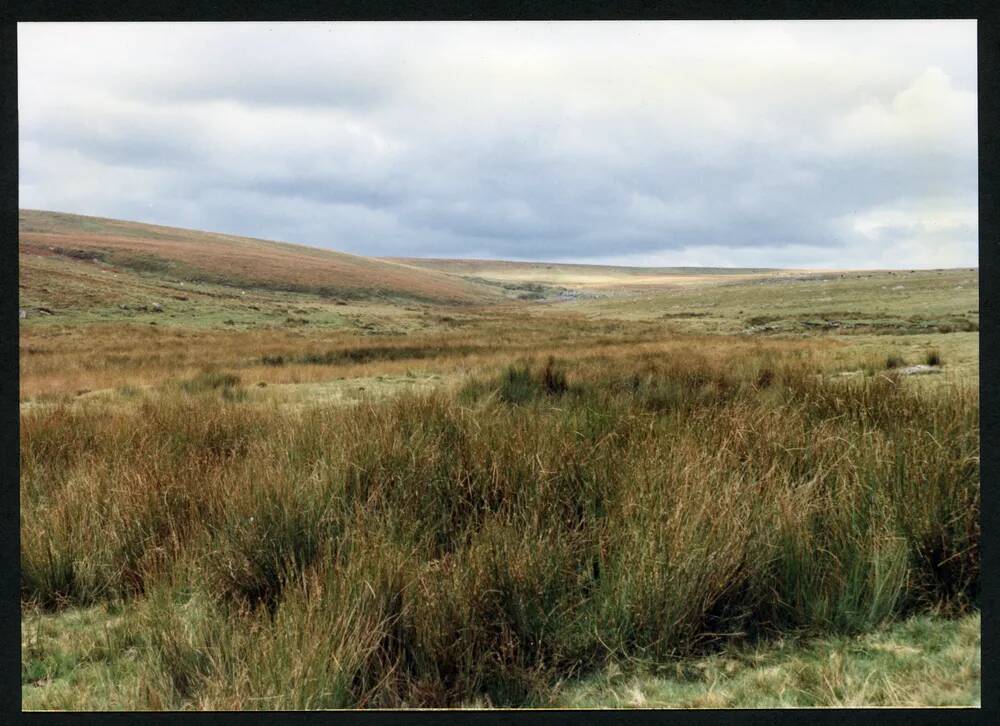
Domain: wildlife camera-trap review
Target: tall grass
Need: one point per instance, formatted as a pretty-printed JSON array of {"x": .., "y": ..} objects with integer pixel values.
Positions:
[{"x": 434, "y": 549}]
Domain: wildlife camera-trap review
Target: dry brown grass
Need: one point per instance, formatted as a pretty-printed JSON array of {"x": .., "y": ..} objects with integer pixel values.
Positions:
[
  {"x": 239, "y": 260},
  {"x": 638, "y": 505},
  {"x": 68, "y": 360},
  {"x": 588, "y": 277},
  {"x": 568, "y": 491}
]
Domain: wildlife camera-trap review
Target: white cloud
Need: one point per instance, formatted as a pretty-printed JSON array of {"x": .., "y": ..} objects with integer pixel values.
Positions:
[
  {"x": 930, "y": 113},
  {"x": 736, "y": 142}
]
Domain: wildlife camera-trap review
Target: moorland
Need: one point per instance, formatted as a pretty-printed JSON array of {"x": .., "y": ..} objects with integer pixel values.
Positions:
[{"x": 261, "y": 475}]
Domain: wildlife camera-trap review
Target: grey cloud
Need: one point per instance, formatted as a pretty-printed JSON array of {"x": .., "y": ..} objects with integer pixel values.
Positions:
[{"x": 573, "y": 142}]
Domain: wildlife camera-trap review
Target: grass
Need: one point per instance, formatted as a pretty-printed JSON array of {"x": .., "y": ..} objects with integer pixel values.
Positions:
[
  {"x": 95, "y": 658},
  {"x": 848, "y": 304},
  {"x": 919, "y": 662},
  {"x": 894, "y": 361},
  {"x": 79, "y": 659},
  {"x": 241, "y": 262},
  {"x": 539, "y": 513},
  {"x": 722, "y": 493}
]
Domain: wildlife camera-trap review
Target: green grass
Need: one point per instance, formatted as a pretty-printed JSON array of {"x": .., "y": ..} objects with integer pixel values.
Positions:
[
  {"x": 921, "y": 302},
  {"x": 923, "y": 661},
  {"x": 96, "y": 658},
  {"x": 79, "y": 659}
]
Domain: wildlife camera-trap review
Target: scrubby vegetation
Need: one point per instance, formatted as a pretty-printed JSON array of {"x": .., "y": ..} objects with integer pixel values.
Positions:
[
  {"x": 256, "y": 475},
  {"x": 481, "y": 546}
]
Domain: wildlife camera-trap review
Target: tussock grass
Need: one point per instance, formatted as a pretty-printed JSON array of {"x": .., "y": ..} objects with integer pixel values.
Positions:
[
  {"x": 894, "y": 360},
  {"x": 366, "y": 354},
  {"x": 555, "y": 516}
]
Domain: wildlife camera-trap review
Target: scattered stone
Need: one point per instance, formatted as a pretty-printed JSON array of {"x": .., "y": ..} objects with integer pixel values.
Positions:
[
  {"x": 898, "y": 287},
  {"x": 123, "y": 306},
  {"x": 22, "y": 314},
  {"x": 45, "y": 311},
  {"x": 157, "y": 308},
  {"x": 918, "y": 370}
]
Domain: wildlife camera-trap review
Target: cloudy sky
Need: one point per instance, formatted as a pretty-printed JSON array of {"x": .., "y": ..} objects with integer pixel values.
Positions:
[{"x": 793, "y": 144}]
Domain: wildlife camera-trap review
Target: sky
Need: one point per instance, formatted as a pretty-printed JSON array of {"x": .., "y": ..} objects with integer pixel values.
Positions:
[{"x": 810, "y": 144}]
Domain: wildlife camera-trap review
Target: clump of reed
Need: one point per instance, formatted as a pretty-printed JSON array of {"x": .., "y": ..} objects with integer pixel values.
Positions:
[{"x": 435, "y": 549}]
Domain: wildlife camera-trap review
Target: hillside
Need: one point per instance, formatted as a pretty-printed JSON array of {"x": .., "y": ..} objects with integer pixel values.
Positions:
[
  {"x": 205, "y": 257},
  {"x": 597, "y": 278}
]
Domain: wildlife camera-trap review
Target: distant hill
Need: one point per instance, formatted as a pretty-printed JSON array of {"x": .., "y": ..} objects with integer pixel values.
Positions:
[
  {"x": 245, "y": 262},
  {"x": 576, "y": 275}
]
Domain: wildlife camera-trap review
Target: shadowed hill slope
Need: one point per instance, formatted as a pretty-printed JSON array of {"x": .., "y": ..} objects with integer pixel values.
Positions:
[{"x": 236, "y": 261}]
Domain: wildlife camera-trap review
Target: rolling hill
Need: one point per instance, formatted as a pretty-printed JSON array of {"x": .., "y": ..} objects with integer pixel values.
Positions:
[
  {"x": 580, "y": 276},
  {"x": 80, "y": 242}
]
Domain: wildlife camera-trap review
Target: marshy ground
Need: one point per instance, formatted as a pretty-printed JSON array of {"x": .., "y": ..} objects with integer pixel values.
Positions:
[{"x": 676, "y": 488}]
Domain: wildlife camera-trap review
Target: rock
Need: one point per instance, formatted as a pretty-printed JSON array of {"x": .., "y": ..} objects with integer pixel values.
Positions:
[
  {"x": 22, "y": 314},
  {"x": 918, "y": 370},
  {"x": 45, "y": 311},
  {"x": 157, "y": 308}
]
